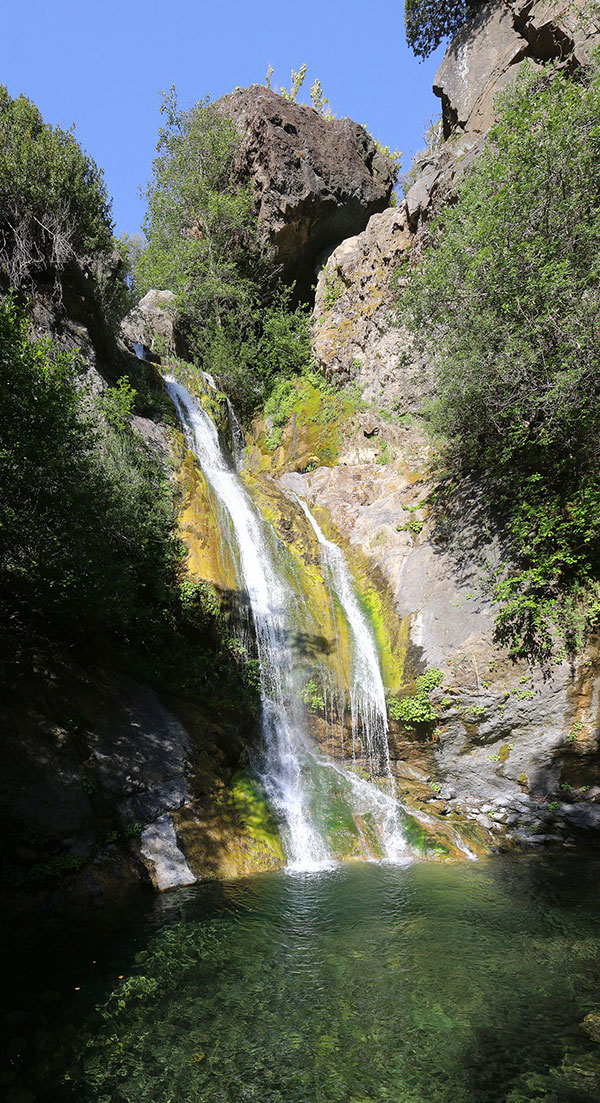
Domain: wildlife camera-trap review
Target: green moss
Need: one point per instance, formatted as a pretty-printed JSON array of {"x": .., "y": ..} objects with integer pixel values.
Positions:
[
  {"x": 304, "y": 423},
  {"x": 346, "y": 834},
  {"x": 247, "y": 807},
  {"x": 423, "y": 841}
]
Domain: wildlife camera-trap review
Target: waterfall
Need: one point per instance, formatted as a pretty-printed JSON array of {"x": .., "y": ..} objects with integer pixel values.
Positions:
[
  {"x": 237, "y": 437},
  {"x": 367, "y": 695},
  {"x": 285, "y": 740},
  {"x": 294, "y": 773}
]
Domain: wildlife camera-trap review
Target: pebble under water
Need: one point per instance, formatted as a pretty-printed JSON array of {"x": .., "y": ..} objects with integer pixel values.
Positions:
[{"x": 367, "y": 982}]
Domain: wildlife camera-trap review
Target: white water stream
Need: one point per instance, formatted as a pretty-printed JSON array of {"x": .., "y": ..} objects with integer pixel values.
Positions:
[
  {"x": 367, "y": 695},
  {"x": 289, "y": 759}
]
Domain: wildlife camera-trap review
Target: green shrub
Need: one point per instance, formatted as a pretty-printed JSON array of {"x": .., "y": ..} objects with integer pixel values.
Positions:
[
  {"x": 89, "y": 557},
  {"x": 506, "y": 302},
  {"x": 313, "y": 695},
  {"x": 418, "y": 708}
]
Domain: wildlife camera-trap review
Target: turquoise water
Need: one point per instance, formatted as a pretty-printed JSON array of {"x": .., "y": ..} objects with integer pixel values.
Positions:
[{"x": 417, "y": 984}]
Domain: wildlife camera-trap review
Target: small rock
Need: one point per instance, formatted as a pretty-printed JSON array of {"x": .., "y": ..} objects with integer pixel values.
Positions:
[{"x": 591, "y": 1025}]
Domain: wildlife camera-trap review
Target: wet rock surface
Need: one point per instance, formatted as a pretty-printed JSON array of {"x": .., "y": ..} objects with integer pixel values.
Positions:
[{"x": 151, "y": 325}]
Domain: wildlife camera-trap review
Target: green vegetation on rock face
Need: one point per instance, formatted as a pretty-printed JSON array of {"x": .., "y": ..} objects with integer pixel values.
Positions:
[
  {"x": 88, "y": 550},
  {"x": 416, "y": 708},
  {"x": 238, "y": 320},
  {"x": 507, "y": 302}
]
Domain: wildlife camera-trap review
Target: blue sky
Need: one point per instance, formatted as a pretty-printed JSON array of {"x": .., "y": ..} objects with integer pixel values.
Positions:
[{"x": 102, "y": 66}]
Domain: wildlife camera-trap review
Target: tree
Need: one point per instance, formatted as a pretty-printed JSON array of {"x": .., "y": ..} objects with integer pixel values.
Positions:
[
  {"x": 204, "y": 244},
  {"x": 53, "y": 202},
  {"x": 200, "y": 223},
  {"x": 429, "y": 22},
  {"x": 507, "y": 302}
]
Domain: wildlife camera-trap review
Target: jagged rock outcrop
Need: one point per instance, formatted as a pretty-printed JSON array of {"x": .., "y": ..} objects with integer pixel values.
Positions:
[
  {"x": 487, "y": 54},
  {"x": 483, "y": 58},
  {"x": 318, "y": 180},
  {"x": 70, "y": 307},
  {"x": 354, "y": 335}
]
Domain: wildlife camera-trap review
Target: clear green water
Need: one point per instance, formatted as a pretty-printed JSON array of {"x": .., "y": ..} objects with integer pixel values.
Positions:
[{"x": 423, "y": 984}]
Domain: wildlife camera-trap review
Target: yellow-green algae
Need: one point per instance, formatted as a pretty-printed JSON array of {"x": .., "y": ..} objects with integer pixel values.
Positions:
[
  {"x": 323, "y": 637},
  {"x": 209, "y": 557},
  {"x": 391, "y": 632},
  {"x": 312, "y": 435},
  {"x": 233, "y": 834}
]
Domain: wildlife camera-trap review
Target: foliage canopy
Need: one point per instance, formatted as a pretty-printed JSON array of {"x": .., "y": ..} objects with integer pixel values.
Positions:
[
  {"x": 54, "y": 206},
  {"x": 507, "y": 301},
  {"x": 429, "y": 22},
  {"x": 89, "y": 555}
]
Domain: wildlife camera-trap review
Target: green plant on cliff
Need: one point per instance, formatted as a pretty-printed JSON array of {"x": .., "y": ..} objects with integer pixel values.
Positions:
[
  {"x": 507, "y": 303},
  {"x": 239, "y": 321},
  {"x": 297, "y": 80},
  {"x": 416, "y": 708},
  {"x": 54, "y": 203}
]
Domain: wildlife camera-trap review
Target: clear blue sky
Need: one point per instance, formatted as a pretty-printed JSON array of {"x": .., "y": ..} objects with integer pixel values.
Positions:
[{"x": 102, "y": 65}]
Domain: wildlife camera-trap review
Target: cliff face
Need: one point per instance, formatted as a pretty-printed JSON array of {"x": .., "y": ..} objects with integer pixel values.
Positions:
[{"x": 510, "y": 737}]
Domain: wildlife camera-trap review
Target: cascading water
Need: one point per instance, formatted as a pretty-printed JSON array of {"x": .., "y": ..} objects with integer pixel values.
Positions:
[
  {"x": 292, "y": 772},
  {"x": 285, "y": 741},
  {"x": 367, "y": 694}
]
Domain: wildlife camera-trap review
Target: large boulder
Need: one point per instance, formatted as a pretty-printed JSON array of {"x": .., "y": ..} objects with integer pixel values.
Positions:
[{"x": 318, "y": 180}]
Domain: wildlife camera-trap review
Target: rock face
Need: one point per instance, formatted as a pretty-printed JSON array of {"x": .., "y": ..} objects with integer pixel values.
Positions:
[
  {"x": 353, "y": 339},
  {"x": 510, "y": 740},
  {"x": 354, "y": 336},
  {"x": 318, "y": 180},
  {"x": 151, "y": 324},
  {"x": 106, "y": 786},
  {"x": 487, "y": 54}
]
